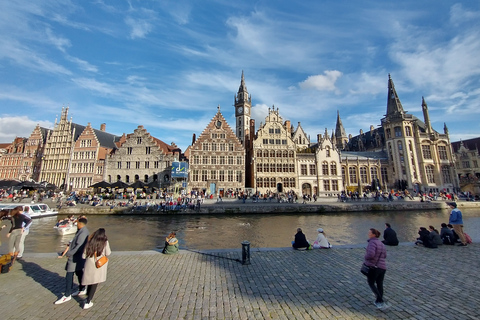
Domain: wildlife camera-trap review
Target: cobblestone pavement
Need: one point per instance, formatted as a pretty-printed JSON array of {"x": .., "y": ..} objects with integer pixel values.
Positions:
[{"x": 278, "y": 284}]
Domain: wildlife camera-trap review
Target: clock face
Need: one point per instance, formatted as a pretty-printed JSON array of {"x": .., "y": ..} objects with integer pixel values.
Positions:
[{"x": 240, "y": 110}]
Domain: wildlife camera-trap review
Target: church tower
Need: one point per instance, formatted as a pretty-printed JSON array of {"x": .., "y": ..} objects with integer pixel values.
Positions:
[
  {"x": 340, "y": 135},
  {"x": 243, "y": 106}
]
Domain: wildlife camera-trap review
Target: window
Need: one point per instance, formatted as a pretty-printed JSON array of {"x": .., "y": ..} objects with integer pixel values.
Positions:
[
  {"x": 327, "y": 151},
  {"x": 230, "y": 175},
  {"x": 128, "y": 164},
  {"x": 230, "y": 147},
  {"x": 373, "y": 173},
  {"x": 389, "y": 133},
  {"x": 446, "y": 174},
  {"x": 205, "y": 146},
  {"x": 286, "y": 182},
  {"x": 194, "y": 175},
  {"x": 139, "y": 140},
  {"x": 466, "y": 164},
  {"x": 291, "y": 167},
  {"x": 137, "y": 164},
  {"x": 333, "y": 168},
  {"x": 204, "y": 160},
  {"x": 155, "y": 164},
  {"x": 408, "y": 131},
  {"x": 266, "y": 168},
  {"x": 222, "y": 159},
  {"x": 266, "y": 183},
  {"x": 303, "y": 169},
  {"x": 292, "y": 183},
  {"x": 325, "y": 169},
  {"x": 272, "y": 167},
  {"x": 427, "y": 154},
  {"x": 363, "y": 175},
  {"x": 129, "y": 150},
  {"x": 239, "y": 160},
  {"x": 334, "y": 185},
  {"x": 221, "y": 175},
  {"x": 147, "y": 164},
  {"x": 259, "y": 153},
  {"x": 196, "y": 159},
  {"x": 312, "y": 170},
  {"x": 270, "y": 130},
  {"x": 222, "y": 147},
  {"x": 398, "y": 131},
  {"x": 277, "y": 131},
  {"x": 230, "y": 159},
  {"x": 213, "y": 160},
  {"x": 277, "y": 141},
  {"x": 213, "y": 175},
  {"x": 147, "y": 150},
  {"x": 214, "y": 147},
  {"x": 384, "y": 174},
  {"x": 400, "y": 146},
  {"x": 119, "y": 165},
  {"x": 271, "y": 141},
  {"x": 259, "y": 167},
  {"x": 352, "y": 172},
  {"x": 204, "y": 175},
  {"x": 430, "y": 174},
  {"x": 442, "y": 152},
  {"x": 265, "y": 141},
  {"x": 326, "y": 185}
]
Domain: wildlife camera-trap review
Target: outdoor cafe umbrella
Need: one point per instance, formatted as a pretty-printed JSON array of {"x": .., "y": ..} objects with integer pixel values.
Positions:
[
  {"x": 101, "y": 184},
  {"x": 153, "y": 184},
  {"x": 137, "y": 185},
  {"x": 9, "y": 183},
  {"x": 119, "y": 184},
  {"x": 28, "y": 185}
]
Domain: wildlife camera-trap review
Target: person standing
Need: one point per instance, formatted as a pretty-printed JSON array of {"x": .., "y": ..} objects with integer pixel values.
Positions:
[
  {"x": 456, "y": 221},
  {"x": 75, "y": 262},
  {"x": 389, "y": 236},
  {"x": 25, "y": 233},
  {"x": 19, "y": 223},
  {"x": 97, "y": 247},
  {"x": 375, "y": 257}
]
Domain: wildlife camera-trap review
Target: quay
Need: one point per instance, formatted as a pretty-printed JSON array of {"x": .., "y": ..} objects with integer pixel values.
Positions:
[
  {"x": 234, "y": 206},
  {"x": 282, "y": 283}
]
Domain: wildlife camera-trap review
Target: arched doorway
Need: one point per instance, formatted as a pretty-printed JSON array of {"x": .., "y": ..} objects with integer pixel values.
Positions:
[
  {"x": 307, "y": 189},
  {"x": 279, "y": 187}
]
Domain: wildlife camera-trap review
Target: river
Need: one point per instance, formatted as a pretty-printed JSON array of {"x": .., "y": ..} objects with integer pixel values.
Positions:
[{"x": 131, "y": 233}]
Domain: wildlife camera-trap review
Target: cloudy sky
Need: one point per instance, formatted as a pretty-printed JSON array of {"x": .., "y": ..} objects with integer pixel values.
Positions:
[{"x": 166, "y": 65}]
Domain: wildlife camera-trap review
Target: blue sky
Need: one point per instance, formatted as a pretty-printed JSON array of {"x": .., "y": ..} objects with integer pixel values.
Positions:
[{"x": 168, "y": 64}]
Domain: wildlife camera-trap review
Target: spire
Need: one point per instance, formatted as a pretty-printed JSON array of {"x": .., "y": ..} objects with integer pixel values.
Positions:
[
  {"x": 394, "y": 106},
  {"x": 339, "y": 129},
  {"x": 445, "y": 129},
  {"x": 242, "y": 94},
  {"x": 426, "y": 117}
]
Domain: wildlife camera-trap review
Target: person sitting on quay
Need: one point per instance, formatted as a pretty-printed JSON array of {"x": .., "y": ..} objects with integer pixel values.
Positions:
[
  {"x": 424, "y": 239},
  {"x": 171, "y": 244},
  {"x": 300, "y": 242},
  {"x": 447, "y": 235},
  {"x": 456, "y": 238},
  {"x": 434, "y": 236},
  {"x": 321, "y": 242},
  {"x": 389, "y": 236}
]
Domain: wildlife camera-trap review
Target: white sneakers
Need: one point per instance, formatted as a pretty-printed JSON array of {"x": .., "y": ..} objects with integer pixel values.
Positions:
[
  {"x": 80, "y": 293},
  {"x": 63, "y": 299},
  {"x": 88, "y": 305}
]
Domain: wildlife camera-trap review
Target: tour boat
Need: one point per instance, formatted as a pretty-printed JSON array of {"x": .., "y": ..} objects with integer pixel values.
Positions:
[
  {"x": 34, "y": 210},
  {"x": 64, "y": 229}
]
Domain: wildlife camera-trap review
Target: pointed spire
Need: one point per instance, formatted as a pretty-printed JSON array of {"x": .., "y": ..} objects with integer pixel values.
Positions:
[
  {"x": 339, "y": 129},
  {"x": 445, "y": 129},
  {"x": 426, "y": 117},
  {"x": 394, "y": 106},
  {"x": 242, "y": 94}
]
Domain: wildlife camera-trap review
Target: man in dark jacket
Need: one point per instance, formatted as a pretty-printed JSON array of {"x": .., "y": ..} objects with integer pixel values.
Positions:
[
  {"x": 75, "y": 261},
  {"x": 389, "y": 236}
]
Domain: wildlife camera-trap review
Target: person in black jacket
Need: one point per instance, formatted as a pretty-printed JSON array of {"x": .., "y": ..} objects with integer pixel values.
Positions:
[
  {"x": 300, "y": 240},
  {"x": 389, "y": 236},
  {"x": 447, "y": 235},
  {"x": 425, "y": 239}
]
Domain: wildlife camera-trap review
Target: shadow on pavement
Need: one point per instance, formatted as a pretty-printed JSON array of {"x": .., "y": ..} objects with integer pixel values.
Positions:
[{"x": 49, "y": 280}]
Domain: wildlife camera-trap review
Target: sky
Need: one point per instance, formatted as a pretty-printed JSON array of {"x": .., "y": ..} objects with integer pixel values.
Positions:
[{"x": 167, "y": 65}]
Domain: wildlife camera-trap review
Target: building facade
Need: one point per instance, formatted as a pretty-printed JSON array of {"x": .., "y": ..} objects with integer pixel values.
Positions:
[
  {"x": 217, "y": 159},
  {"x": 142, "y": 157}
]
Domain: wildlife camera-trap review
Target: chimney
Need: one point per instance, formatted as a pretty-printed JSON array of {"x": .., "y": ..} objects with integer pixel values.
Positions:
[
  {"x": 103, "y": 126},
  {"x": 288, "y": 126}
]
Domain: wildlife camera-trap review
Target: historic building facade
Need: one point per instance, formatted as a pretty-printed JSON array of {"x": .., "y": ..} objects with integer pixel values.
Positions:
[
  {"x": 141, "y": 157},
  {"x": 217, "y": 158},
  {"x": 11, "y": 163},
  {"x": 405, "y": 152},
  {"x": 467, "y": 164}
]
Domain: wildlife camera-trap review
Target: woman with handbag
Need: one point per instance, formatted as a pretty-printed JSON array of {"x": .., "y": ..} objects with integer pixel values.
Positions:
[
  {"x": 375, "y": 261},
  {"x": 96, "y": 252}
]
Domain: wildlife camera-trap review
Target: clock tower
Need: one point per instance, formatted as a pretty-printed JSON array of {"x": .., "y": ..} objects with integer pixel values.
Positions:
[{"x": 243, "y": 106}]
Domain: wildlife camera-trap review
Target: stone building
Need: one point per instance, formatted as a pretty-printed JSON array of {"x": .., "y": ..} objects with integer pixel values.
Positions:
[
  {"x": 87, "y": 165},
  {"x": 467, "y": 160},
  {"x": 141, "y": 157},
  {"x": 61, "y": 152},
  {"x": 275, "y": 156},
  {"x": 11, "y": 163},
  {"x": 412, "y": 154},
  {"x": 217, "y": 158}
]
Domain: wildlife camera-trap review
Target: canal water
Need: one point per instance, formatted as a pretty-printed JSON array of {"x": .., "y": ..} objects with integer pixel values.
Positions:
[{"x": 131, "y": 233}]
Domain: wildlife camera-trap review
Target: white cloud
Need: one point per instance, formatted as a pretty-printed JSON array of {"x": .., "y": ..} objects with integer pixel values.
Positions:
[
  {"x": 139, "y": 27},
  {"x": 325, "y": 82},
  {"x": 84, "y": 65},
  {"x": 19, "y": 126}
]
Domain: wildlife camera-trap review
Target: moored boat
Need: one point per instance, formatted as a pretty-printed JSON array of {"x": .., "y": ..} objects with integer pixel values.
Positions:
[
  {"x": 34, "y": 210},
  {"x": 64, "y": 229}
]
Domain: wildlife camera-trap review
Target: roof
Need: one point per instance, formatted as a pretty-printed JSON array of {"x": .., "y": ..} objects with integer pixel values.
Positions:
[
  {"x": 470, "y": 144},
  {"x": 381, "y": 155}
]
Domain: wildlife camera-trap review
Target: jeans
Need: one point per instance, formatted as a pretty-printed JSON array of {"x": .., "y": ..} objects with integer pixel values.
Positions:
[
  {"x": 69, "y": 282},
  {"x": 375, "y": 276}
]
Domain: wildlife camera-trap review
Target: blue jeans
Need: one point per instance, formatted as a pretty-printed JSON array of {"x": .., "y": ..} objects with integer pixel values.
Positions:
[{"x": 69, "y": 282}]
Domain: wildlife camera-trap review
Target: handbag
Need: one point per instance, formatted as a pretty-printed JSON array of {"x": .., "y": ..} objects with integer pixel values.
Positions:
[
  {"x": 100, "y": 262},
  {"x": 365, "y": 269}
]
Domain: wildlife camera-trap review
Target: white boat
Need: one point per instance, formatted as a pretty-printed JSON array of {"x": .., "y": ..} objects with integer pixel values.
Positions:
[
  {"x": 66, "y": 229},
  {"x": 34, "y": 210}
]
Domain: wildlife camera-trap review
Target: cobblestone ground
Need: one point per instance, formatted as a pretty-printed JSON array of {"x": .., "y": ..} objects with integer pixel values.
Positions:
[{"x": 278, "y": 284}]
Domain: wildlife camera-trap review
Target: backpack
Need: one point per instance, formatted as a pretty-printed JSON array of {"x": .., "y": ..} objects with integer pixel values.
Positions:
[{"x": 5, "y": 263}]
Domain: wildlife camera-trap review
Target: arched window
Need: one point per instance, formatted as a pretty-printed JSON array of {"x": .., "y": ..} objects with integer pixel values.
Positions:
[
  {"x": 363, "y": 175},
  {"x": 259, "y": 153},
  {"x": 260, "y": 182},
  {"x": 127, "y": 179},
  {"x": 408, "y": 131},
  {"x": 265, "y": 153},
  {"x": 272, "y": 153},
  {"x": 352, "y": 172},
  {"x": 286, "y": 183},
  {"x": 373, "y": 173},
  {"x": 272, "y": 167},
  {"x": 279, "y": 154},
  {"x": 267, "y": 183},
  {"x": 292, "y": 183}
]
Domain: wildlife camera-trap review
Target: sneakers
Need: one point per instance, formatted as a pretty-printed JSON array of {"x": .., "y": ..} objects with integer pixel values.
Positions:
[
  {"x": 63, "y": 299},
  {"x": 379, "y": 305},
  {"x": 79, "y": 293},
  {"x": 88, "y": 305}
]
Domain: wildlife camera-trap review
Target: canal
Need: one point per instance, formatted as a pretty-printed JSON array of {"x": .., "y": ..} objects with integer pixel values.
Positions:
[{"x": 200, "y": 232}]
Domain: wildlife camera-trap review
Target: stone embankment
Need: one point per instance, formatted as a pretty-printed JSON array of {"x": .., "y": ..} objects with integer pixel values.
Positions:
[{"x": 230, "y": 206}]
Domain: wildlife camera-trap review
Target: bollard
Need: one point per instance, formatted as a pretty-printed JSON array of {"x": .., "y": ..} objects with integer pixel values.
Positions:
[{"x": 245, "y": 252}]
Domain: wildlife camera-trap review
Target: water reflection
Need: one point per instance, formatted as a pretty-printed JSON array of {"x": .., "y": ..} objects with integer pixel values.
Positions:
[{"x": 226, "y": 231}]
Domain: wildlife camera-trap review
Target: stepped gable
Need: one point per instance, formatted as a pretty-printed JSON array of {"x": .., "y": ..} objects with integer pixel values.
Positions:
[
  {"x": 212, "y": 125},
  {"x": 167, "y": 149},
  {"x": 105, "y": 139}
]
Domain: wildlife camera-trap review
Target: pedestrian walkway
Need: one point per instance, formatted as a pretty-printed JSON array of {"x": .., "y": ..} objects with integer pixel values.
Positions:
[{"x": 420, "y": 283}]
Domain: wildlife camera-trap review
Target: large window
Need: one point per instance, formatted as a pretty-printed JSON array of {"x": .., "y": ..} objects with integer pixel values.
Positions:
[
  {"x": 427, "y": 153},
  {"x": 303, "y": 169},
  {"x": 373, "y": 173},
  {"x": 430, "y": 174},
  {"x": 363, "y": 175},
  {"x": 442, "y": 152},
  {"x": 398, "y": 131},
  {"x": 326, "y": 185},
  {"x": 313, "y": 170},
  {"x": 333, "y": 168},
  {"x": 325, "y": 168},
  {"x": 352, "y": 172},
  {"x": 446, "y": 174},
  {"x": 334, "y": 185}
]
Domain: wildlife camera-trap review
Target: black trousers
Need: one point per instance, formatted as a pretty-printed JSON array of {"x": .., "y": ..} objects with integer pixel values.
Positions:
[
  {"x": 375, "y": 281},
  {"x": 69, "y": 281},
  {"x": 91, "y": 291}
]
